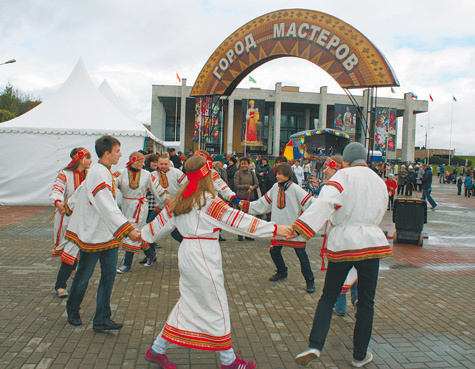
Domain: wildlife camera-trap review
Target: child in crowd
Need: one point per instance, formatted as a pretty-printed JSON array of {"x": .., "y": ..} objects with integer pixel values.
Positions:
[
  {"x": 468, "y": 184},
  {"x": 67, "y": 181},
  {"x": 200, "y": 319},
  {"x": 285, "y": 201},
  {"x": 391, "y": 184},
  {"x": 134, "y": 182}
]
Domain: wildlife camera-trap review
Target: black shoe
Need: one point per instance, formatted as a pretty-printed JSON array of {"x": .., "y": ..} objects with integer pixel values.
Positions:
[
  {"x": 74, "y": 318},
  {"x": 240, "y": 238},
  {"x": 222, "y": 239},
  {"x": 310, "y": 285},
  {"x": 278, "y": 277},
  {"x": 249, "y": 238},
  {"x": 108, "y": 326},
  {"x": 143, "y": 261}
]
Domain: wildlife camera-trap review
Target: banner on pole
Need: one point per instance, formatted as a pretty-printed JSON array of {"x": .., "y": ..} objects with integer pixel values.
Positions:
[
  {"x": 386, "y": 129},
  {"x": 207, "y": 120},
  {"x": 345, "y": 118},
  {"x": 252, "y": 118}
]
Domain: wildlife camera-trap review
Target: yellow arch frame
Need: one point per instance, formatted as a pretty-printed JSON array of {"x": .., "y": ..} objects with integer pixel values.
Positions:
[{"x": 335, "y": 46}]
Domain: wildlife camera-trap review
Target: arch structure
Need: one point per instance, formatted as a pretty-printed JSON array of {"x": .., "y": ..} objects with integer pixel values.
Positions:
[
  {"x": 326, "y": 41},
  {"x": 319, "y": 132}
]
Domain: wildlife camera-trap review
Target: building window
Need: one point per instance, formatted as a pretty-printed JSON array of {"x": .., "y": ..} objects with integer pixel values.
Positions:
[
  {"x": 289, "y": 125},
  {"x": 172, "y": 129}
]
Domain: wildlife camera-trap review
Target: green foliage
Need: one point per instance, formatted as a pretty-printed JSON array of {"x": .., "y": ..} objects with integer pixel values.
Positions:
[{"x": 14, "y": 103}]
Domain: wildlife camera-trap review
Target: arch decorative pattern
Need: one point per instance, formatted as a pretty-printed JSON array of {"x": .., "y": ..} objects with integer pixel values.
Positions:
[{"x": 328, "y": 42}]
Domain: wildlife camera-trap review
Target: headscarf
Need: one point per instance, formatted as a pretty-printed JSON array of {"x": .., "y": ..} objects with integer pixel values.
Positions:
[
  {"x": 193, "y": 178},
  {"x": 78, "y": 156}
]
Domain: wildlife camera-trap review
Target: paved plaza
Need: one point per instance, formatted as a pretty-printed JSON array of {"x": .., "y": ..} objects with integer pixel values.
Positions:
[{"x": 424, "y": 313}]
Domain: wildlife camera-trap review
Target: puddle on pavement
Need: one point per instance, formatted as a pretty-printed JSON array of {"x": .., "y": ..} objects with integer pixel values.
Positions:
[{"x": 449, "y": 267}]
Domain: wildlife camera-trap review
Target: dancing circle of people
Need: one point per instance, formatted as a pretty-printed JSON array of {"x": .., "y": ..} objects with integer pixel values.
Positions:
[{"x": 193, "y": 206}]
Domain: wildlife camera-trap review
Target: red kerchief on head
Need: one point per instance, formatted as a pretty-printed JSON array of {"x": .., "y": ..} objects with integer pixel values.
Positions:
[
  {"x": 193, "y": 178},
  {"x": 332, "y": 164},
  {"x": 135, "y": 159},
  {"x": 79, "y": 155}
]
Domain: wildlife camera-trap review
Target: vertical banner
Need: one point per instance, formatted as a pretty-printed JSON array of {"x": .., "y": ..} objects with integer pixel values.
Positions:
[
  {"x": 385, "y": 129},
  {"x": 252, "y": 122},
  {"x": 207, "y": 120},
  {"x": 345, "y": 118}
]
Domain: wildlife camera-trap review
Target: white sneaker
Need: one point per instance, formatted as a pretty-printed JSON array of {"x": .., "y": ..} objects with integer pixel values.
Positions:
[
  {"x": 307, "y": 356},
  {"x": 366, "y": 360}
]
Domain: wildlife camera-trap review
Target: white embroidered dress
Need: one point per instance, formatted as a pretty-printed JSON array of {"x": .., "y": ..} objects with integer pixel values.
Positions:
[
  {"x": 200, "y": 318},
  {"x": 134, "y": 187},
  {"x": 64, "y": 186}
]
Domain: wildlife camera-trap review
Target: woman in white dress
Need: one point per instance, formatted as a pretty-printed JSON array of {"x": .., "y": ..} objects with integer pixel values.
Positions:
[{"x": 200, "y": 319}]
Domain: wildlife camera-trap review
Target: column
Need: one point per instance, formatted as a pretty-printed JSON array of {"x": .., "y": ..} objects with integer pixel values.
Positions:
[
  {"x": 307, "y": 119},
  {"x": 270, "y": 131},
  {"x": 408, "y": 130},
  {"x": 230, "y": 127},
  {"x": 322, "y": 113},
  {"x": 277, "y": 120},
  {"x": 182, "y": 114}
]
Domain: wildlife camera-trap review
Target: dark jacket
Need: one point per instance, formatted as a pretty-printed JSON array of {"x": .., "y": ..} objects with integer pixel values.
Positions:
[
  {"x": 232, "y": 169},
  {"x": 175, "y": 159},
  {"x": 427, "y": 179},
  {"x": 263, "y": 168},
  {"x": 270, "y": 179}
]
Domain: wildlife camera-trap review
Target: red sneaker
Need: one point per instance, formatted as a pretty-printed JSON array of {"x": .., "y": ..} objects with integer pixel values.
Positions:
[
  {"x": 160, "y": 359},
  {"x": 240, "y": 364}
]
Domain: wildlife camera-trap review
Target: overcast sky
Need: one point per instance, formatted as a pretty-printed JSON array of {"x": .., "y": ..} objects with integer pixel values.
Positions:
[{"x": 134, "y": 44}]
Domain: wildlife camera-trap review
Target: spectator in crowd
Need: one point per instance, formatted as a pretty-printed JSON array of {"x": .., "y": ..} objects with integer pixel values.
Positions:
[
  {"x": 231, "y": 171},
  {"x": 174, "y": 158},
  {"x": 427, "y": 185},
  {"x": 401, "y": 180},
  {"x": 262, "y": 170},
  {"x": 298, "y": 171}
]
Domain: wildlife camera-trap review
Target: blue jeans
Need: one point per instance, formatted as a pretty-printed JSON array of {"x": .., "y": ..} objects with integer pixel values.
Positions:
[
  {"x": 340, "y": 305},
  {"x": 426, "y": 194},
  {"x": 64, "y": 273},
  {"x": 86, "y": 266},
  {"x": 306, "y": 269},
  {"x": 335, "y": 277}
]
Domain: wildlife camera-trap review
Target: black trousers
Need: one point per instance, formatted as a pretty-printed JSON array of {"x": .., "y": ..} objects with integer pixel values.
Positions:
[{"x": 334, "y": 279}]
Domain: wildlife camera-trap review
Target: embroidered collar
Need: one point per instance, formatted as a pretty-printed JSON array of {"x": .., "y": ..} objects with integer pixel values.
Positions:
[
  {"x": 107, "y": 166},
  {"x": 285, "y": 184}
]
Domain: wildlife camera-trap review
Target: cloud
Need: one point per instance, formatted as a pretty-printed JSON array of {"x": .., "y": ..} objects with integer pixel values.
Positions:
[{"x": 430, "y": 44}]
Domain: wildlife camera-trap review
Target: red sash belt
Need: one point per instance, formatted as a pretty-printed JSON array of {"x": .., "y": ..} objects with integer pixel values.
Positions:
[{"x": 141, "y": 201}]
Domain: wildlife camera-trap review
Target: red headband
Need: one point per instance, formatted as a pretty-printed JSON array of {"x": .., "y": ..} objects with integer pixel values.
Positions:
[
  {"x": 332, "y": 164},
  {"x": 135, "y": 159},
  {"x": 193, "y": 178},
  {"x": 79, "y": 155},
  {"x": 208, "y": 159}
]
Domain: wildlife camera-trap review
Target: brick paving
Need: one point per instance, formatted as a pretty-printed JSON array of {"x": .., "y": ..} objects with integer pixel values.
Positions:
[{"x": 424, "y": 315}]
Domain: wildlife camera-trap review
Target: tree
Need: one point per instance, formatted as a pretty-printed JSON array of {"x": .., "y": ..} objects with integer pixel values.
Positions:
[{"x": 14, "y": 103}]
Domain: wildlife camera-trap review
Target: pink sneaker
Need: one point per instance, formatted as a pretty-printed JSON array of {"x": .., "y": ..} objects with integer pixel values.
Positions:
[
  {"x": 240, "y": 364},
  {"x": 160, "y": 359}
]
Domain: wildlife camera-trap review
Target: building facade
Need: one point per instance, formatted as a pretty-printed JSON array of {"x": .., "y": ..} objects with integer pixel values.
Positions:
[{"x": 286, "y": 111}]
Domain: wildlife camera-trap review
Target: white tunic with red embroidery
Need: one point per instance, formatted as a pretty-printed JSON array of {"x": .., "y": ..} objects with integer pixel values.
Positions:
[
  {"x": 284, "y": 210},
  {"x": 354, "y": 201},
  {"x": 170, "y": 180},
  {"x": 64, "y": 186},
  {"x": 134, "y": 206},
  {"x": 200, "y": 319}
]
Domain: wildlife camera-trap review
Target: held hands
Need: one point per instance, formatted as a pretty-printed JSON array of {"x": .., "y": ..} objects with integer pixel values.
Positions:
[
  {"x": 241, "y": 204},
  {"x": 167, "y": 199},
  {"x": 135, "y": 235},
  {"x": 60, "y": 207},
  {"x": 285, "y": 231}
]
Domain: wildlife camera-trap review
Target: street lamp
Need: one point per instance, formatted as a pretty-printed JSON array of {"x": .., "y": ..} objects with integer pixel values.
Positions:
[
  {"x": 426, "y": 143},
  {"x": 11, "y": 61}
]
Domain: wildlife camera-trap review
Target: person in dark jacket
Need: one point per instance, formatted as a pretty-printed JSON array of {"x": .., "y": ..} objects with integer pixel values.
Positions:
[
  {"x": 271, "y": 179},
  {"x": 426, "y": 185},
  {"x": 232, "y": 169},
  {"x": 410, "y": 181},
  {"x": 262, "y": 169}
]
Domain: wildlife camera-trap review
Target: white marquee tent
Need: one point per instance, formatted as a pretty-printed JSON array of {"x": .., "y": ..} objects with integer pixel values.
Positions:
[{"x": 36, "y": 145}]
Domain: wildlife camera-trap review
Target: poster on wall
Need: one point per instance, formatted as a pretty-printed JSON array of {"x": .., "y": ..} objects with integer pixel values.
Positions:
[
  {"x": 207, "y": 120},
  {"x": 252, "y": 122},
  {"x": 385, "y": 129},
  {"x": 345, "y": 118}
]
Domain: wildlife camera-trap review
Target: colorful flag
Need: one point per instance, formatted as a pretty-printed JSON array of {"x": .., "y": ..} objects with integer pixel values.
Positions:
[
  {"x": 178, "y": 77},
  {"x": 252, "y": 80},
  {"x": 430, "y": 97},
  {"x": 454, "y": 98},
  {"x": 392, "y": 91},
  {"x": 414, "y": 95}
]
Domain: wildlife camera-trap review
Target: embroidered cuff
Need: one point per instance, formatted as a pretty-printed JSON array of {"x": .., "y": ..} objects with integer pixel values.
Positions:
[
  {"x": 275, "y": 230},
  {"x": 303, "y": 229},
  {"x": 123, "y": 231},
  {"x": 235, "y": 200},
  {"x": 246, "y": 206}
]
